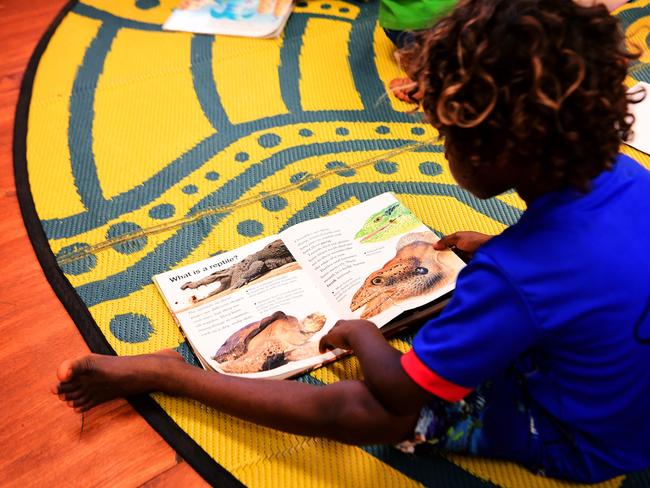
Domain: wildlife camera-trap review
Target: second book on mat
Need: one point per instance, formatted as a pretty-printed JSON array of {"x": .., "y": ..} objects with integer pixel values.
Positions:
[{"x": 260, "y": 310}]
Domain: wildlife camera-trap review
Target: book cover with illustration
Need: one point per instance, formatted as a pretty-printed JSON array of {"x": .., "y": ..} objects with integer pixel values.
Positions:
[
  {"x": 260, "y": 310},
  {"x": 244, "y": 18}
]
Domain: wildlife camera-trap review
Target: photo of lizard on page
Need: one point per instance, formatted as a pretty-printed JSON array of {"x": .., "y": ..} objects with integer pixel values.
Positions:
[{"x": 542, "y": 355}]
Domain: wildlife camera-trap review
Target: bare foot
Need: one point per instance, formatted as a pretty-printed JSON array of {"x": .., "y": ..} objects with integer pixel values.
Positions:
[
  {"x": 90, "y": 380},
  {"x": 402, "y": 87}
]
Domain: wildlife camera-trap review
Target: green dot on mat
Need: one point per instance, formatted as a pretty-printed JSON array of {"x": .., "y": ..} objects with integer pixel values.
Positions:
[
  {"x": 250, "y": 228},
  {"x": 188, "y": 355},
  {"x": 311, "y": 185},
  {"x": 131, "y": 327},
  {"x": 382, "y": 129},
  {"x": 342, "y": 131},
  {"x": 335, "y": 164},
  {"x": 130, "y": 246},
  {"x": 417, "y": 131},
  {"x": 147, "y": 4},
  {"x": 241, "y": 157},
  {"x": 274, "y": 203},
  {"x": 305, "y": 133},
  {"x": 430, "y": 168},
  {"x": 385, "y": 167},
  {"x": 77, "y": 266},
  {"x": 326, "y": 6},
  {"x": 212, "y": 176},
  {"x": 190, "y": 189},
  {"x": 296, "y": 178},
  {"x": 269, "y": 140},
  {"x": 346, "y": 170},
  {"x": 162, "y": 211},
  {"x": 344, "y": 10}
]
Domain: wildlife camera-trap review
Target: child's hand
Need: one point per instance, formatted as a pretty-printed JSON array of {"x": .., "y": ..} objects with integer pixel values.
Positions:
[
  {"x": 465, "y": 241},
  {"x": 339, "y": 337}
]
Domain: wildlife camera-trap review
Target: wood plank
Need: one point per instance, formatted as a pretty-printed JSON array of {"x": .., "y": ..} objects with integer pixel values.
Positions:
[
  {"x": 180, "y": 475},
  {"x": 41, "y": 439}
]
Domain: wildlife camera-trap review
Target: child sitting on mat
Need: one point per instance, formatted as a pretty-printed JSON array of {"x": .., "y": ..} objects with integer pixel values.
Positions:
[{"x": 542, "y": 356}]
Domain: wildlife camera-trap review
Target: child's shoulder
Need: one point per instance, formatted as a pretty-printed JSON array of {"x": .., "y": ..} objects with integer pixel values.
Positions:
[
  {"x": 574, "y": 237},
  {"x": 630, "y": 166}
]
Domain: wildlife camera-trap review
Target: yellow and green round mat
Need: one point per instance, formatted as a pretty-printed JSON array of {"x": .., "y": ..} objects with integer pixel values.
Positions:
[{"x": 138, "y": 151}]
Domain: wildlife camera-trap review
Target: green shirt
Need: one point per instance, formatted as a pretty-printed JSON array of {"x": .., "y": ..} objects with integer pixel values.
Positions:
[{"x": 412, "y": 15}]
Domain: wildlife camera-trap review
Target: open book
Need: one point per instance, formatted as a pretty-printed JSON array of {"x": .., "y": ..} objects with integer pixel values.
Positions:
[
  {"x": 260, "y": 310},
  {"x": 244, "y": 18}
]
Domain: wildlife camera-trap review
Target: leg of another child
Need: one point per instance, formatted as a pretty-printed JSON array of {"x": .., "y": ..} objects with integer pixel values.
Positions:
[
  {"x": 403, "y": 86},
  {"x": 401, "y": 21}
]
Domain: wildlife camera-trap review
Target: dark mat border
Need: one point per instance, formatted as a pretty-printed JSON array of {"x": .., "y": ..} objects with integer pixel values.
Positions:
[{"x": 153, "y": 413}]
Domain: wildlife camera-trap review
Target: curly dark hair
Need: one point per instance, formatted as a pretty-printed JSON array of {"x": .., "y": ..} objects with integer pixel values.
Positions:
[{"x": 538, "y": 82}]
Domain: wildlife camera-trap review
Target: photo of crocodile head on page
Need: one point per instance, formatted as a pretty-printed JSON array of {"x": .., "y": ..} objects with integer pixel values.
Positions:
[
  {"x": 416, "y": 270},
  {"x": 269, "y": 343},
  {"x": 272, "y": 260}
]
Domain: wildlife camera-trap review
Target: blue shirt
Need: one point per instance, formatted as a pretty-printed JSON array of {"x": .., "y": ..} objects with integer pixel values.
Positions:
[{"x": 564, "y": 296}]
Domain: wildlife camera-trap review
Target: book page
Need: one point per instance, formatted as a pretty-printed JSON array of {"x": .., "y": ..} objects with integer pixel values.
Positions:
[
  {"x": 374, "y": 260},
  {"x": 251, "y": 312}
]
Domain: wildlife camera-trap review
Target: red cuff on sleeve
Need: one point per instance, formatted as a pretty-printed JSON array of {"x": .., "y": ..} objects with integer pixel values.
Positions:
[{"x": 430, "y": 381}]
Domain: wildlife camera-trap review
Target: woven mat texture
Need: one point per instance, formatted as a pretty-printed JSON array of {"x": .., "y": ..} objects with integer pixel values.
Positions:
[{"x": 149, "y": 150}]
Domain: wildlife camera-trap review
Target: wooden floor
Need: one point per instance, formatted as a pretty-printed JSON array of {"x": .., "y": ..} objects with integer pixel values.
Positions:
[{"x": 41, "y": 440}]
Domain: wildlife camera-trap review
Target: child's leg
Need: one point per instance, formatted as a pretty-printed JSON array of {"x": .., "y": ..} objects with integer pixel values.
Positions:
[
  {"x": 400, "y": 39},
  {"x": 345, "y": 411}
]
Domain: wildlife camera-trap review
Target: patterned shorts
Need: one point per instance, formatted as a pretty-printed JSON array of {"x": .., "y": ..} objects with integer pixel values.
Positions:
[
  {"x": 453, "y": 427},
  {"x": 493, "y": 421}
]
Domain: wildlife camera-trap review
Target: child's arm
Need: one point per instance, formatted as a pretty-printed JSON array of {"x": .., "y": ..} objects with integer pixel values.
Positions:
[
  {"x": 386, "y": 394},
  {"x": 383, "y": 408},
  {"x": 382, "y": 371},
  {"x": 346, "y": 411}
]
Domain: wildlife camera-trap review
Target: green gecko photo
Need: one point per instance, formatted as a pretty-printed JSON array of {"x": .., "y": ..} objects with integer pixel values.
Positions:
[{"x": 392, "y": 221}]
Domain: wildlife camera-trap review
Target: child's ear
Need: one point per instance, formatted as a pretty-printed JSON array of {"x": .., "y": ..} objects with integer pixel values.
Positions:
[
  {"x": 503, "y": 161},
  {"x": 506, "y": 166},
  {"x": 513, "y": 171}
]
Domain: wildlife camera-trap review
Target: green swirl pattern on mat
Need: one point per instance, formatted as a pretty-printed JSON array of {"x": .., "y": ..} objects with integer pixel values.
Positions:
[{"x": 149, "y": 150}]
